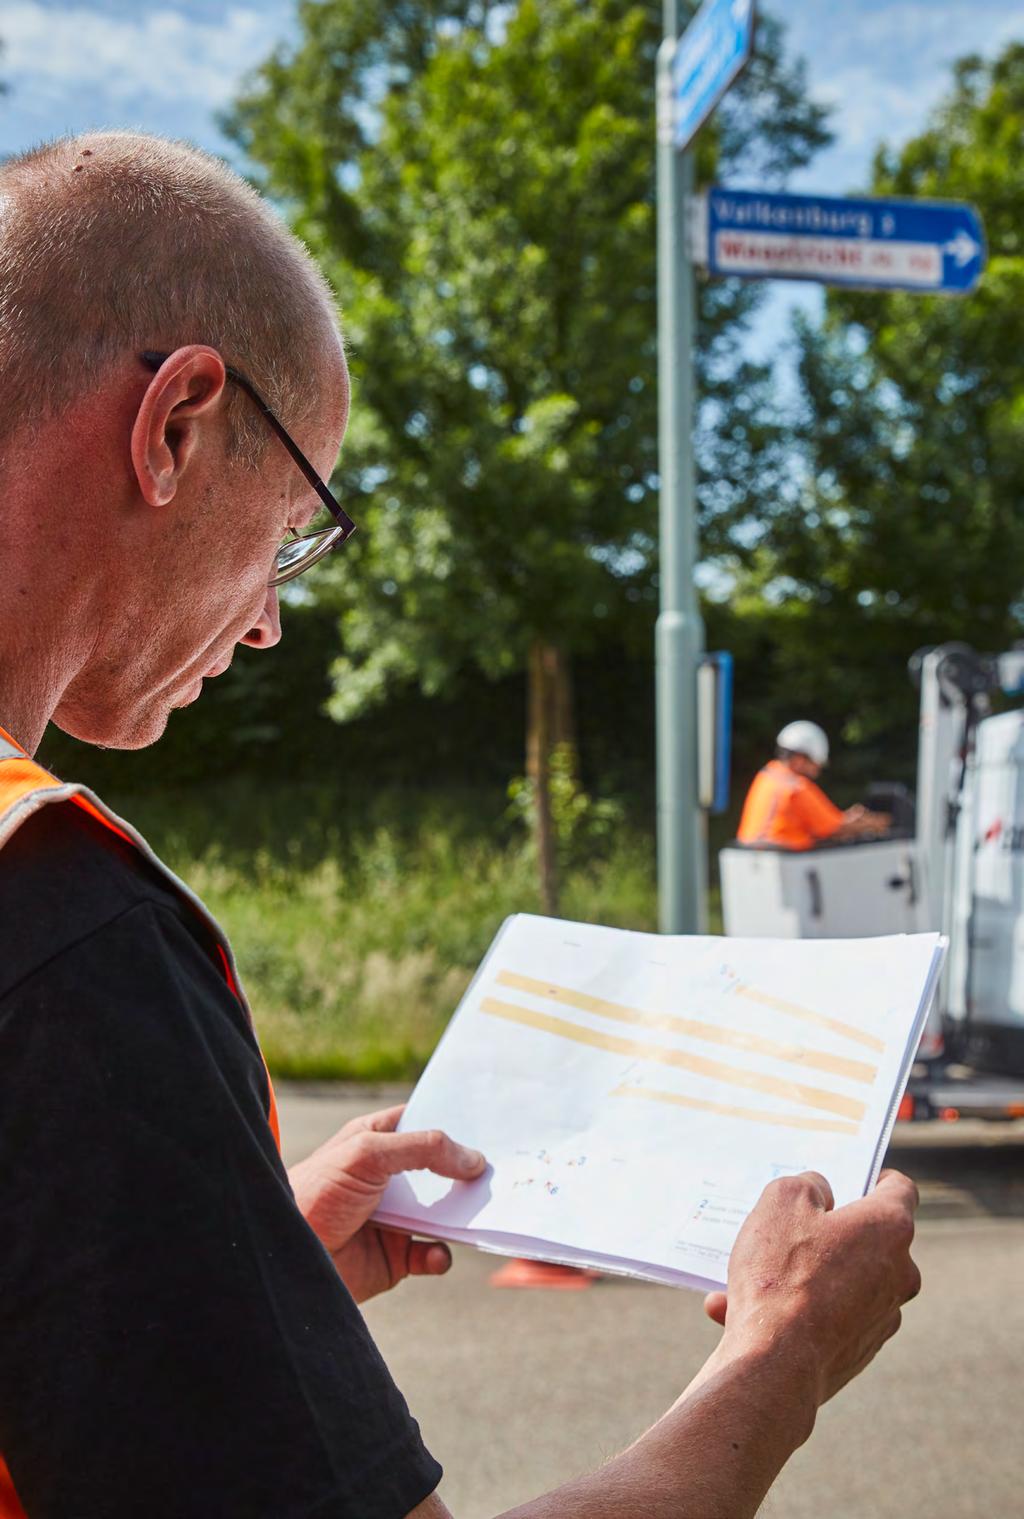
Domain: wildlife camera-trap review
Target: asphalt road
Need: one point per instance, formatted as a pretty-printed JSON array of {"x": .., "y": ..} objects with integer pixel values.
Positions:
[{"x": 517, "y": 1391}]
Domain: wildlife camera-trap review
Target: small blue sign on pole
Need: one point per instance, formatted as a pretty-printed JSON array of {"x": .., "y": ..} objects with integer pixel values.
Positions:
[
  {"x": 714, "y": 731},
  {"x": 930, "y": 247},
  {"x": 708, "y": 56}
]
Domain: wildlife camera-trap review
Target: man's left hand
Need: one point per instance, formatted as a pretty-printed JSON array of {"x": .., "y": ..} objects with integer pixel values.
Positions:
[{"x": 339, "y": 1186}]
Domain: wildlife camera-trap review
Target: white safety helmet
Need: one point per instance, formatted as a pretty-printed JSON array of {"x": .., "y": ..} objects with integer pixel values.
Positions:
[{"x": 807, "y": 739}]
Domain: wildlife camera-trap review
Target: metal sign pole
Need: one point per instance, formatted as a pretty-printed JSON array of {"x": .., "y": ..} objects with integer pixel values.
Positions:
[{"x": 679, "y": 640}]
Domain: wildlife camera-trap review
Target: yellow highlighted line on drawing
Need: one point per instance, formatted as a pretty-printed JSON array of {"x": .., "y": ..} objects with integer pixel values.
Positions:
[
  {"x": 819, "y": 1125},
  {"x": 848, "y": 1030},
  {"x": 711, "y": 1033},
  {"x": 776, "y": 1086}
]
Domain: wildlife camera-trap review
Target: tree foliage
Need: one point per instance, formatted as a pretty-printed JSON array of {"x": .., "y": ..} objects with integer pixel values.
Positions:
[
  {"x": 911, "y": 529},
  {"x": 478, "y": 182}
]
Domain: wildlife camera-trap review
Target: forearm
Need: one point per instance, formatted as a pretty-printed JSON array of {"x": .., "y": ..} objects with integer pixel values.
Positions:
[
  {"x": 858, "y": 823},
  {"x": 714, "y": 1455},
  {"x": 814, "y": 1293}
]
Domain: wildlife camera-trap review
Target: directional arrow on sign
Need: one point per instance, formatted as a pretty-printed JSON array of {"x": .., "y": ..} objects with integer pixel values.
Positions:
[
  {"x": 963, "y": 248},
  {"x": 872, "y": 244}
]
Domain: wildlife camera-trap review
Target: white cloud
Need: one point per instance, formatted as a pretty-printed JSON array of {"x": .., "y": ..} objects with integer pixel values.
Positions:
[
  {"x": 53, "y": 53},
  {"x": 884, "y": 64},
  {"x": 911, "y": 34}
]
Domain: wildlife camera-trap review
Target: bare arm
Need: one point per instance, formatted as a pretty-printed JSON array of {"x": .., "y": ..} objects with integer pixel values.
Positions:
[
  {"x": 858, "y": 822},
  {"x": 714, "y": 1455},
  {"x": 813, "y": 1295}
]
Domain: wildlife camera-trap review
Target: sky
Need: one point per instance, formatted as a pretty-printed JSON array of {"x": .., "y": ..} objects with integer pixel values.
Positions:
[{"x": 170, "y": 67}]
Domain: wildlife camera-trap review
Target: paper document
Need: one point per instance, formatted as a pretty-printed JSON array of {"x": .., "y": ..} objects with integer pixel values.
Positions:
[{"x": 634, "y": 1093}]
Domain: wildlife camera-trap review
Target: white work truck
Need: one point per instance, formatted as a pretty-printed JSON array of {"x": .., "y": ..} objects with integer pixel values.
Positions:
[{"x": 954, "y": 863}]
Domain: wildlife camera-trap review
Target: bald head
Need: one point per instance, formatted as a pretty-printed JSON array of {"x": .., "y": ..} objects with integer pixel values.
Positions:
[{"x": 117, "y": 242}]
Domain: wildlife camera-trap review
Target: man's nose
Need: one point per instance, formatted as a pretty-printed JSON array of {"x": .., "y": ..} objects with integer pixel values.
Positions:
[{"x": 267, "y": 631}]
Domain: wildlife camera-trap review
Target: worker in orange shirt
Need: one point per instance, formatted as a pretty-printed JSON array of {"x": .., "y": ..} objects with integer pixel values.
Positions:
[{"x": 786, "y": 809}]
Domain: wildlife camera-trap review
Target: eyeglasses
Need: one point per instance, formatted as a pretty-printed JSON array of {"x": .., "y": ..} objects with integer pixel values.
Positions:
[{"x": 302, "y": 550}]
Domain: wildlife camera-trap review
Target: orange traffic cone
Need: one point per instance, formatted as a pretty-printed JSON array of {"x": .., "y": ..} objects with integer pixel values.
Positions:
[{"x": 525, "y": 1273}]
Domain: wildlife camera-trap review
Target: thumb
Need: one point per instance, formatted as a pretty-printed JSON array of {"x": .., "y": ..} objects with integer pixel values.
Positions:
[{"x": 428, "y": 1150}]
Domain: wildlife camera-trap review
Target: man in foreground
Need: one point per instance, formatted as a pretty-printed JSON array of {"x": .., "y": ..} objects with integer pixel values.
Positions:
[
  {"x": 178, "y": 1327},
  {"x": 786, "y": 808}
]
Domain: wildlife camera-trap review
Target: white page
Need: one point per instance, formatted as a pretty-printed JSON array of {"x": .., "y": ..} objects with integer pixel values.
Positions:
[{"x": 634, "y": 1093}]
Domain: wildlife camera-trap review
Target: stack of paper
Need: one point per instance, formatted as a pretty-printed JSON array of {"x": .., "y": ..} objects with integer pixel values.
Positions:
[{"x": 634, "y": 1093}]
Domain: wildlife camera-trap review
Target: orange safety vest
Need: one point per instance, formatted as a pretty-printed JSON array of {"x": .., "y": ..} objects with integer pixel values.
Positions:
[
  {"x": 786, "y": 810},
  {"x": 25, "y": 787}
]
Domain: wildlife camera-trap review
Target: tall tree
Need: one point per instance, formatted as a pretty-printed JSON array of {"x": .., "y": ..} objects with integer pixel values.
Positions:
[
  {"x": 478, "y": 181},
  {"x": 911, "y": 528}
]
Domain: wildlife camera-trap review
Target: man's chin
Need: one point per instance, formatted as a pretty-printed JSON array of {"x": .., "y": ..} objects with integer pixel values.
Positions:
[{"x": 112, "y": 732}]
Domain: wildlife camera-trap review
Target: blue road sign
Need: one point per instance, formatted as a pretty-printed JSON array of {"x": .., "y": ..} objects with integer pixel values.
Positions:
[
  {"x": 877, "y": 244},
  {"x": 708, "y": 56}
]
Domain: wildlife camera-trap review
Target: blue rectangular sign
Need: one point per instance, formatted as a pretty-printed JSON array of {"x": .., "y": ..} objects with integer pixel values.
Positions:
[
  {"x": 708, "y": 56},
  {"x": 871, "y": 244}
]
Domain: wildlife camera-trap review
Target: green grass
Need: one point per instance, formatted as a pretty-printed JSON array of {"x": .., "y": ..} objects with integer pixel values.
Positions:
[{"x": 357, "y": 924}]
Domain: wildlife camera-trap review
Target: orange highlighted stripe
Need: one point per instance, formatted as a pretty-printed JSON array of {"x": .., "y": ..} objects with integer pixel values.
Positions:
[
  {"x": 754, "y": 1115},
  {"x": 693, "y": 1028},
  {"x": 807, "y": 1015},
  {"x": 699, "y": 1065}
]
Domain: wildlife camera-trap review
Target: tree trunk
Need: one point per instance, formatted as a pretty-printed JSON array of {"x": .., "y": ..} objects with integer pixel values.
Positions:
[
  {"x": 563, "y": 716},
  {"x": 540, "y": 684}
]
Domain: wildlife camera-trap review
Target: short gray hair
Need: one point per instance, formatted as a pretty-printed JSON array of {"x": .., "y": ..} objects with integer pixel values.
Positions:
[{"x": 117, "y": 241}]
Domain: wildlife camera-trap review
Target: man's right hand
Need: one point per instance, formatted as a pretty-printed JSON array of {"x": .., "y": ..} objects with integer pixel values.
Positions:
[
  {"x": 814, "y": 1293},
  {"x": 823, "y": 1285}
]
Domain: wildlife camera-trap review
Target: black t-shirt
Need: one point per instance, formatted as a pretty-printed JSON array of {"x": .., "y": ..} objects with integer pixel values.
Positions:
[{"x": 174, "y": 1340}]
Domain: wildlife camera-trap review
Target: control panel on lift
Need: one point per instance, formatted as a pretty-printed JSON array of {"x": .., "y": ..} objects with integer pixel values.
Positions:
[{"x": 842, "y": 891}]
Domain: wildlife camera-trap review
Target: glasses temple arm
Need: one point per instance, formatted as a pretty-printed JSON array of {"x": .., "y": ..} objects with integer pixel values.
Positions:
[
  {"x": 285, "y": 438},
  {"x": 153, "y": 362}
]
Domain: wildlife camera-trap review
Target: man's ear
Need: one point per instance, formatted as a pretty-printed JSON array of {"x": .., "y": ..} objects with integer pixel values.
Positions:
[{"x": 185, "y": 394}]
